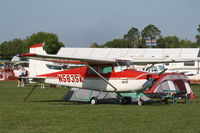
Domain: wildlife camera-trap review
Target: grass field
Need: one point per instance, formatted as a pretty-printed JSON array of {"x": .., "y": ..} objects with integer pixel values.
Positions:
[{"x": 43, "y": 112}]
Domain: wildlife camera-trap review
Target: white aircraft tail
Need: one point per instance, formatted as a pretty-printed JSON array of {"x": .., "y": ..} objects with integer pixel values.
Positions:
[
  {"x": 37, "y": 67},
  {"x": 38, "y": 49}
]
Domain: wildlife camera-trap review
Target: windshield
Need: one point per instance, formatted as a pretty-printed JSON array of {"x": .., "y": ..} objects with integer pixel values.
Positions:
[
  {"x": 120, "y": 68},
  {"x": 161, "y": 68},
  {"x": 122, "y": 65}
]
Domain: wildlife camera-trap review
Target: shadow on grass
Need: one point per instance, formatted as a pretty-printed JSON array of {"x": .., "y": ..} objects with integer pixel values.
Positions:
[
  {"x": 60, "y": 102},
  {"x": 150, "y": 103}
]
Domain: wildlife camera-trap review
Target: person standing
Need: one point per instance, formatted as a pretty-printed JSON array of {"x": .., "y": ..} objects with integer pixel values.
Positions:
[
  {"x": 24, "y": 74},
  {"x": 20, "y": 74}
]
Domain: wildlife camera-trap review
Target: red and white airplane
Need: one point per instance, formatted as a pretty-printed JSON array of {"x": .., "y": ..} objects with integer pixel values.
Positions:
[{"x": 96, "y": 74}]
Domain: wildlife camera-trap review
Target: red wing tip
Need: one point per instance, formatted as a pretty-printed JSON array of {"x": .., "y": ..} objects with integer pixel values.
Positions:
[{"x": 29, "y": 54}]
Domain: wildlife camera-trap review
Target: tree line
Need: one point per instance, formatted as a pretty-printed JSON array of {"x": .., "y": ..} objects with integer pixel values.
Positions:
[
  {"x": 8, "y": 49},
  {"x": 132, "y": 39},
  {"x": 136, "y": 39}
]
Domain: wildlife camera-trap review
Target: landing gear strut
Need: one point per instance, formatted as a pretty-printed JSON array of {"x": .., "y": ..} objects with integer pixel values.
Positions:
[{"x": 126, "y": 100}]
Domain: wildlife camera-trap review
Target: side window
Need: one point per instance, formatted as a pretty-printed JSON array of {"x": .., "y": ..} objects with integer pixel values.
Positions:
[
  {"x": 105, "y": 69},
  {"x": 192, "y": 63},
  {"x": 89, "y": 71},
  {"x": 117, "y": 68}
]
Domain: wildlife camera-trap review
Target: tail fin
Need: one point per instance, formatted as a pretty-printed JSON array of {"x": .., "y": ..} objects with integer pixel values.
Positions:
[
  {"x": 37, "y": 67},
  {"x": 38, "y": 49}
]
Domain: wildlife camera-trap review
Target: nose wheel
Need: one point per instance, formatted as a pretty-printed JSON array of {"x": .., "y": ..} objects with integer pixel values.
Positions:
[
  {"x": 94, "y": 101},
  {"x": 140, "y": 101}
]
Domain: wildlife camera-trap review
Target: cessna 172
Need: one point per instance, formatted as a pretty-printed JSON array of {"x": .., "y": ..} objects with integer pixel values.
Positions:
[{"x": 96, "y": 74}]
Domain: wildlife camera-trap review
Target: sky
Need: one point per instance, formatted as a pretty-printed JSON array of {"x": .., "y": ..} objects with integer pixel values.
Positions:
[{"x": 78, "y": 23}]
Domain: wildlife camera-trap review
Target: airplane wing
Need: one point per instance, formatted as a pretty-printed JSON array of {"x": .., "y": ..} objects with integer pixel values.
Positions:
[
  {"x": 154, "y": 60},
  {"x": 93, "y": 61},
  {"x": 55, "y": 58},
  {"x": 75, "y": 60}
]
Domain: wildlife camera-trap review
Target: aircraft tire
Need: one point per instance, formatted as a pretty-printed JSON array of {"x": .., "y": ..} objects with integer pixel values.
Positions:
[
  {"x": 140, "y": 102},
  {"x": 164, "y": 102},
  {"x": 93, "y": 101}
]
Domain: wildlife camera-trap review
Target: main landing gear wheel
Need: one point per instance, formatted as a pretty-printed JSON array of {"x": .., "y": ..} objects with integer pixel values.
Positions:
[
  {"x": 126, "y": 100},
  {"x": 94, "y": 101}
]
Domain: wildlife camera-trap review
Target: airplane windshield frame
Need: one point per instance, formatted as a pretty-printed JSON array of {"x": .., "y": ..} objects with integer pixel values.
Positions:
[{"x": 122, "y": 65}]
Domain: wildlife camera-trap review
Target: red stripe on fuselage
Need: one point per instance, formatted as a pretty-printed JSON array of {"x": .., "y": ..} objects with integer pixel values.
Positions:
[{"x": 82, "y": 71}]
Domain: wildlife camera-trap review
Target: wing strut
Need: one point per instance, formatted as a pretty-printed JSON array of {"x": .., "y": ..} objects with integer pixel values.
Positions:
[
  {"x": 101, "y": 77},
  {"x": 150, "y": 66}
]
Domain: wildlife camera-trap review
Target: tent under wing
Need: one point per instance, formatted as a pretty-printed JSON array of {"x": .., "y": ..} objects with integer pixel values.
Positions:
[
  {"x": 85, "y": 95},
  {"x": 172, "y": 83}
]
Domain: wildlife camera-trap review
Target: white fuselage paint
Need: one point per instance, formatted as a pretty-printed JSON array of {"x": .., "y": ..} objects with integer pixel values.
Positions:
[{"x": 122, "y": 84}]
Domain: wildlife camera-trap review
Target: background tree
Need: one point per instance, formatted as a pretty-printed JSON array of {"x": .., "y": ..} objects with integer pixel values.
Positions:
[
  {"x": 133, "y": 38},
  {"x": 8, "y": 49},
  {"x": 150, "y": 32},
  {"x": 168, "y": 42},
  {"x": 198, "y": 40},
  {"x": 187, "y": 44},
  {"x": 174, "y": 42},
  {"x": 94, "y": 45},
  {"x": 116, "y": 43},
  {"x": 198, "y": 29},
  {"x": 52, "y": 44},
  {"x": 198, "y": 36}
]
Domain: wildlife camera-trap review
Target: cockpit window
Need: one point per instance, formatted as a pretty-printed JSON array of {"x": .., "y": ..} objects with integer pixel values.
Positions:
[
  {"x": 120, "y": 68},
  {"x": 122, "y": 65},
  {"x": 161, "y": 67},
  {"x": 54, "y": 67},
  {"x": 89, "y": 71},
  {"x": 105, "y": 69},
  {"x": 100, "y": 69}
]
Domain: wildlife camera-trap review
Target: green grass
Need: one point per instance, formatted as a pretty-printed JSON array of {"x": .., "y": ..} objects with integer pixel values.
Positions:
[{"x": 43, "y": 113}]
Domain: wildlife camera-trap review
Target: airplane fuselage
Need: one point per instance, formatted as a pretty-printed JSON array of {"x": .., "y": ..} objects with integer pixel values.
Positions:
[{"x": 128, "y": 80}]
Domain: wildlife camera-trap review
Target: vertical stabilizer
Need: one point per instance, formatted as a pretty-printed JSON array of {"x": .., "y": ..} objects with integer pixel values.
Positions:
[
  {"x": 37, "y": 67},
  {"x": 38, "y": 49}
]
